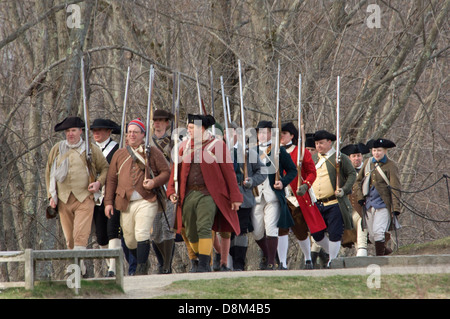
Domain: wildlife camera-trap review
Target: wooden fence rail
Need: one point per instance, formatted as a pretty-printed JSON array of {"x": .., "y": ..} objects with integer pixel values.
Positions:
[{"x": 29, "y": 257}]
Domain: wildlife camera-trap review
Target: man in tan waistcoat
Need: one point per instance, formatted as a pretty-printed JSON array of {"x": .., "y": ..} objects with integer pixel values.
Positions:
[
  {"x": 129, "y": 191},
  {"x": 68, "y": 187}
]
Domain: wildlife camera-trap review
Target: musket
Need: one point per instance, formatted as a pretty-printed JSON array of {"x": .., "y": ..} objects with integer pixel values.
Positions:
[
  {"x": 122, "y": 130},
  {"x": 244, "y": 157},
  {"x": 225, "y": 117},
  {"x": 338, "y": 136},
  {"x": 212, "y": 98},
  {"x": 277, "y": 141},
  {"x": 301, "y": 135},
  {"x": 88, "y": 151},
  {"x": 176, "y": 114},
  {"x": 159, "y": 192}
]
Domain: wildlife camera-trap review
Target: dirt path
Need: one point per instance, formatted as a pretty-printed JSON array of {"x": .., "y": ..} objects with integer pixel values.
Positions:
[{"x": 150, "y": 286}]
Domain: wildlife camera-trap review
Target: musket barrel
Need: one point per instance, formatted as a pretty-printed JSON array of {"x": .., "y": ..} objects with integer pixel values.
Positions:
[
  {"x": 299, "y": 143},
  {"x": 278, "y": 128},
  {"x": 149, "y": 106},
  {"x": 338, "y": 134},
  {"x": 242, "y": 109},
  {"x": 227, "y": 133}
]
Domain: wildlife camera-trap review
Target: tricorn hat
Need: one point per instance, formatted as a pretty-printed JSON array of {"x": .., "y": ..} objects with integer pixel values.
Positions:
[
  {"x": 106, "y": 123},
  {"x": 355, "y": 149},
  {"x": 69, "y": 122},
  {"x": 324, "y": 135},
  {"x": 162, "y": 114},
  {"x": 384, "y": 143},
  {"x": 264, "y": 124},
  {"x": 290, "y": 127},
  {"x": 309, "y": 142},
  {"x": 207, "y": 120}
]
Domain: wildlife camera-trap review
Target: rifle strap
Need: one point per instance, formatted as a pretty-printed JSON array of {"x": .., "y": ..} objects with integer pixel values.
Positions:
[
  {"x": 136, "y": 157},
  {"x": 162, "y": 143}
]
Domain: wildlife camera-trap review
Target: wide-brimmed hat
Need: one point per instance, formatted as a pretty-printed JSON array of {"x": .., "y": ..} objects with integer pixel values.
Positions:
[
  {"x": 69, "y": 122},
  {"x": 106, "y": 123},
  {"x": 162, "y": 114}
]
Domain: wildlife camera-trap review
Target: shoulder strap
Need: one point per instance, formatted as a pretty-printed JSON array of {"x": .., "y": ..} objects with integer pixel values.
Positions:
[{"x": 383, "y": 175}]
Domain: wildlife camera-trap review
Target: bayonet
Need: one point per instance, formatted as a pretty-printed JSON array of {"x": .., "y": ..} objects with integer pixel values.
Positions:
[
  {"x": 226, "y": 118},
  {"x": 122, "y": 129}
]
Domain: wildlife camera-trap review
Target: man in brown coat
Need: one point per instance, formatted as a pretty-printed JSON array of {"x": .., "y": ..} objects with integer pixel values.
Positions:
[
  {"x": 129, "y": 191},
  {"x": 373, "y": 193}
]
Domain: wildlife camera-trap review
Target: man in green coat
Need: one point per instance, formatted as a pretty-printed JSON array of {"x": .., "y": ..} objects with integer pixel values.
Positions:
[{"x": 332, "y": 201}]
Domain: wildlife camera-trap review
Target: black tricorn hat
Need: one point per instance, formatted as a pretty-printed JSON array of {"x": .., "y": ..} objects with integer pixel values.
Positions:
[
  {"x": 324, "y": 135},
  {"x": 264, "y": 124},
  {"x": 207, "y": 120},
  {"x": 69, "y": 122},
  {"x": 309, "y": 142},
  {"x": 290, "y": 127},
  {"x": 162, "y": 114},
  {"x": 369, "y": 143},
  {"x": 384, "y": 143},
  {"x": 355, "y": 149},
  {"x": 106, "y": 123}
]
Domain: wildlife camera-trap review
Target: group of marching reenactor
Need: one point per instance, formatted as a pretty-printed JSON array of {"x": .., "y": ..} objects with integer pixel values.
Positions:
[{"x": 216, "y": 192}]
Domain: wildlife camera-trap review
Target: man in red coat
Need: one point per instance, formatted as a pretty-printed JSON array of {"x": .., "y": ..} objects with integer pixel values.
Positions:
[
  {"x": 304, "y": 212},
  {"x": 208, "y": 196}
]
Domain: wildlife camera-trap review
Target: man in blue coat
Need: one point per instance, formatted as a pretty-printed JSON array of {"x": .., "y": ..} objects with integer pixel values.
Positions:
[{"x": 271, "y": 211}]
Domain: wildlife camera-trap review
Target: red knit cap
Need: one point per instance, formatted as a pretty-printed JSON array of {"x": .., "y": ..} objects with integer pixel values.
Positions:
[{"x": 139, "y": 123}]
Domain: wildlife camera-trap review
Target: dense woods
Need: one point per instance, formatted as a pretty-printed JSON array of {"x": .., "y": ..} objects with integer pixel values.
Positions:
[{"x": 392, "y": 58}]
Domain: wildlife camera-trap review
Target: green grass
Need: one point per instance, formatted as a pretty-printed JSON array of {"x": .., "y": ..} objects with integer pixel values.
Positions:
[
  {"x": 59, "y": 290},
  {"x": 333, "y": 287}
]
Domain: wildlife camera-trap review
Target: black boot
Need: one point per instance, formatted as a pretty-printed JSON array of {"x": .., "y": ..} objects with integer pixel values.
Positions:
[
  {"x": 143, "y": 250},
  {"x": 216, "y": 262},
  {"x": 158, "y": 248},
  {"x": 380, "y": 248},
  {"x": 204, "y": 263},
  {"x": 194, "y": 265}
]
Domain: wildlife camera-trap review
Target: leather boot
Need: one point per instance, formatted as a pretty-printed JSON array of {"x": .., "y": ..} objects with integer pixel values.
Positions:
[
  {"x": 168, "y": 250},
  {"x": 380, "y": 248},
  {"x": 143, "y": 250},
  {"x": 204, "y": 263},
  {"x": 194, "y": 265}
]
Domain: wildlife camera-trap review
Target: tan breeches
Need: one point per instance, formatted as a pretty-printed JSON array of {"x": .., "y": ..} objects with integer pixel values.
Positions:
[{"x": 76, "y": 220}]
